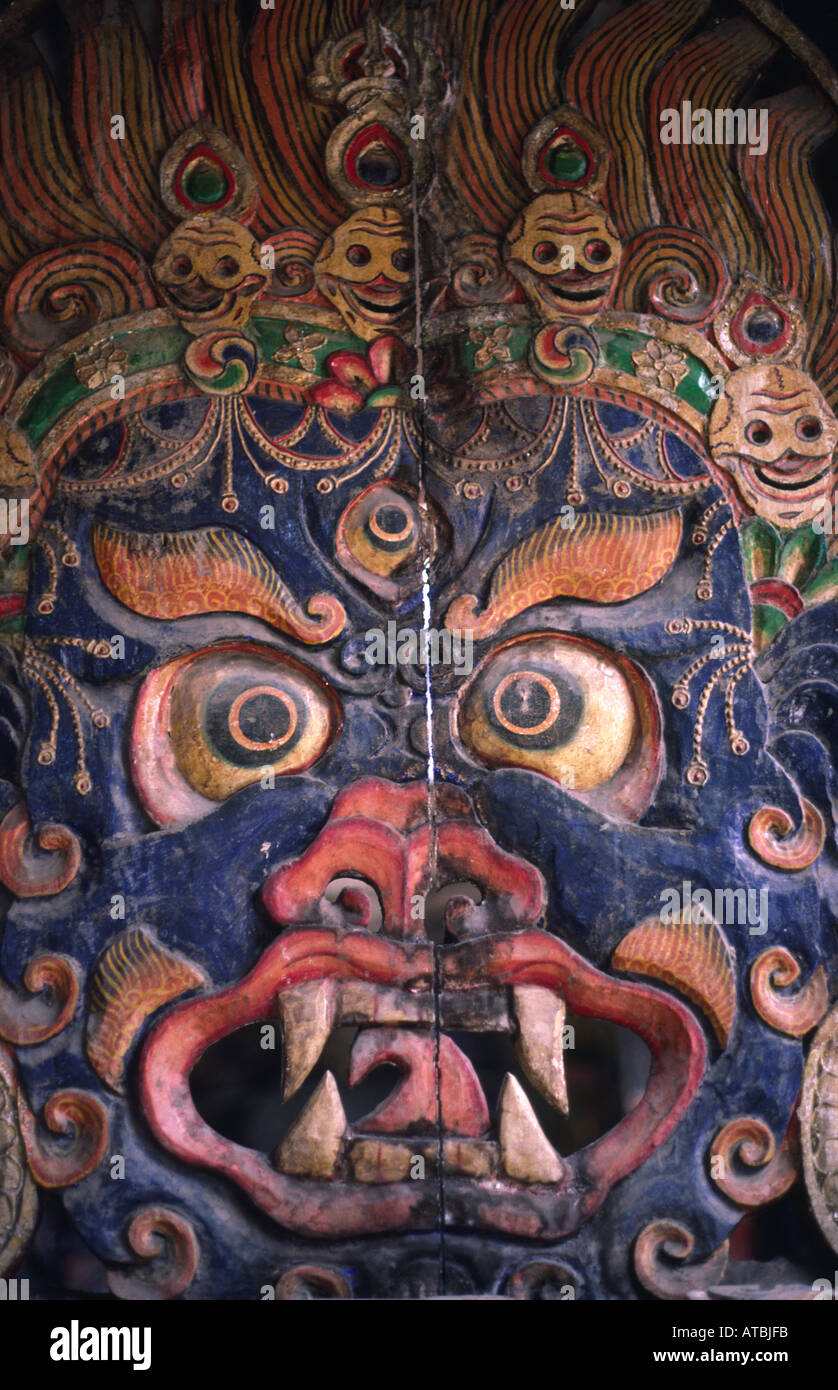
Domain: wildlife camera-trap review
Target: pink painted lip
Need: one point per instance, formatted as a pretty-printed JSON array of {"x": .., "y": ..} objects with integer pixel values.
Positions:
[{"x": 315, "y": 1207}]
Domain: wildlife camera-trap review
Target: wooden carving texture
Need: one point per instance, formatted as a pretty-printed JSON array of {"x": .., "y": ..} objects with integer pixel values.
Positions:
[{"x": 417, "y": 563}]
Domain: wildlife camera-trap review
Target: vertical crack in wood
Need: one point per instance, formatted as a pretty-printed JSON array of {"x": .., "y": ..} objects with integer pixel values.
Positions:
[{"x": 427, "y": 554}]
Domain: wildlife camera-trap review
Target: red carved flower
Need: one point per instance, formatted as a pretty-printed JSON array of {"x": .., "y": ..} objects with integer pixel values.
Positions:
[{"x": 357, "y": 382}]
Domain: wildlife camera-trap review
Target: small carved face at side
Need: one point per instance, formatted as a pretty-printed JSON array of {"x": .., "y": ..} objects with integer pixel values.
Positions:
[
  {"x": 564, "y": 250},
  {"x": 366, "y": 270},
  {"x": 210, "y": 273},
  {"x": 774, "y": 433}
]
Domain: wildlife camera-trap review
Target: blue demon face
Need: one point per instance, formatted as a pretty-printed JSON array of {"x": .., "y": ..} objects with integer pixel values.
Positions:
[{"x": 378, "y": 782}]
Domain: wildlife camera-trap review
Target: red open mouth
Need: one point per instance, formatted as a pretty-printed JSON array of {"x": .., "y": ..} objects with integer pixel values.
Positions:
[
  {"x": 380, "y": 298},
  {"x": 506, "y": 974},
  {"x": 792, "y": 472},
  {"x": 579, "y": 285}
]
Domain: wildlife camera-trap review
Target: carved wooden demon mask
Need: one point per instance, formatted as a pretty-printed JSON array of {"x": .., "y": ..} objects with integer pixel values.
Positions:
[{"x": 416, "y": 832}]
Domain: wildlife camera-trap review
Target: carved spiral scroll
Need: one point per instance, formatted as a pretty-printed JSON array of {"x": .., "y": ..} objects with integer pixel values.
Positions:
[
  {"x": 63, "y": 292},
  {"x": 795, "y": 1014},
  {"x": 25, "y": 1022},
  {"x": 479, "y": 275},
  {"x": 295, "y": 251},
  {"x": 167, "y": 1242},
  {"x": 76, "y": 1113},
  {"x": 312, "y": 1282},
  {"x": 672, "y": 272},
  {"x": 772, "y": 836},
  {"x": 28, "y": 873},
  {"x": 769, "y": 1172},
  {"x": 657, "y": 1249}
]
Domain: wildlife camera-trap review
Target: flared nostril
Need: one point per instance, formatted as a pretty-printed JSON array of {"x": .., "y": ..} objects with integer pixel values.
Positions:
[
  {"x": 449, "y": 911},
  {"x": 357, "y": 900}
]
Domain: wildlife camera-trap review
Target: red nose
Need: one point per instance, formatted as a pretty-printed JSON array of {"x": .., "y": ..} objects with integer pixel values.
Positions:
[{"x": 379, "y": 832}]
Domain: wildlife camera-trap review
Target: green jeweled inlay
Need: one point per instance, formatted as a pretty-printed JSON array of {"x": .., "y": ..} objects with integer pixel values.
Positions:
[
  {"x": 205, "y": 184},
  {"x": 567, "y": 163},
  {"x": 61, "y": 390}
]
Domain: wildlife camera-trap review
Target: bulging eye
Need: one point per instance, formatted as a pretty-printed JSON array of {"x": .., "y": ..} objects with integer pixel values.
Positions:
[
  {"x": 598, "y": 252},
  {"x": 227, "y": 267},
  {"x": 210, "y": 723},
  {"x": 182, "y": 265},
  {"x": 401, "y": 259},
  {"x": 809, "y": 428},
  {"x": 758, "y": 432},
  {"x": 544, "y": 252},
  {"x": 358, "y": 255},
  {"x": 572, "y": 710}
]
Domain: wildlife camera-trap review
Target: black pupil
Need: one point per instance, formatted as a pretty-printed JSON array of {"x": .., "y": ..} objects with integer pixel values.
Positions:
[
  {"x": 380, "y": 169},
  {"x": 264, "y": 718},
  {"x": 526, "y": 704},
  {"x": 764, "y": 328},
  {"x": 546, "y": 251},
  {"x": 810, "y": 429},
  {"x": 598, "y": 252},
  {"x": 358, "y": 255},
  {"x": 391, "y": 520},
  {"x": 401, "y": 260},
  {"x": 760, "y": 434}
]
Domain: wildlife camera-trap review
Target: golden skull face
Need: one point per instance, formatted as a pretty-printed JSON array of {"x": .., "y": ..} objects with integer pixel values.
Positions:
[
  {"x": 564, "y": 251},
  {"x": 366, "y": 269},
  {"x": 774, "y": 433},
  {"x": 210, "y": 273}
]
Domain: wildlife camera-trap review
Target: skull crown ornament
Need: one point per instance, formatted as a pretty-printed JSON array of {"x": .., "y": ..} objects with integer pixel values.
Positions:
[{"x": 417, "y": 616}]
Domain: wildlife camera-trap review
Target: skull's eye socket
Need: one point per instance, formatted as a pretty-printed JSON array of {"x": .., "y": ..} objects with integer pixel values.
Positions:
[
  {"x": 217, "y": 720},
  {"x": 570, "y": 709},
  {"x": 809, "y": 428},
  {"x": 226, "y": 267},
  {"x": 544, "y": 252},
  {"x": 401, "y": 260},
  {"x": 598, "y": 252},
  {"x": 181, "y": 265},
  {"x": 358, "y": 255},
  {"x": 758, "y": 432}
]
